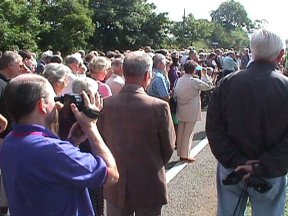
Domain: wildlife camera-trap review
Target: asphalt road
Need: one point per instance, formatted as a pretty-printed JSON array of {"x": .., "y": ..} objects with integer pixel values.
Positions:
[{"x": 193, "y": 191}]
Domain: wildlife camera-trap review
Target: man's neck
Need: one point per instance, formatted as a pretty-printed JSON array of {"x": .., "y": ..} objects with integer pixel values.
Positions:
[
  {"x": 118, "y": 73},
  {"x": 32, "y": 119},
  {"x": 5, "y": 73}
]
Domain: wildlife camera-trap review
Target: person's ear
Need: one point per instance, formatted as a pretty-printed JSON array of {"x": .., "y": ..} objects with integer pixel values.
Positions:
[
  {"x": 41, "y": 105},
  {"x": 281, "y": 54},
  {"x": 147, "y": 76},
  {"x": 146, "y": 79}
]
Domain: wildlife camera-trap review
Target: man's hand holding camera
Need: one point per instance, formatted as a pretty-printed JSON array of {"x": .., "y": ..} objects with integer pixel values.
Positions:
[
  {"x": 85, "y": 127},
  {"x": 92, "y": 103}
]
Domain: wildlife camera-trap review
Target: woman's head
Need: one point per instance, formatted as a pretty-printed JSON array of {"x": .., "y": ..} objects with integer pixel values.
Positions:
[
  {"x": 56, "y": 74},
  {"x": 99, "y": 67}
]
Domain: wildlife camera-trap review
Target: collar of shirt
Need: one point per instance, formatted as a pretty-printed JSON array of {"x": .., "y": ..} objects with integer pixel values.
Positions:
[
  {"x": 133, "y": 88},
  {"x": 4, "y": 78},
  {"x": 156, "y": 71},
  {"x": 187, "y": 75},
  {"x": 34, "y": 129}
]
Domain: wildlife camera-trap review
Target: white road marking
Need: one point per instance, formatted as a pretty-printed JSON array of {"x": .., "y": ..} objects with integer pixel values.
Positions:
[{"x": 172, "y": 172}]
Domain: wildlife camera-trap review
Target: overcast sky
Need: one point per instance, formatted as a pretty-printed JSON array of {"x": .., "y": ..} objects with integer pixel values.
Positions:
[{"x": 274, "y": 11}]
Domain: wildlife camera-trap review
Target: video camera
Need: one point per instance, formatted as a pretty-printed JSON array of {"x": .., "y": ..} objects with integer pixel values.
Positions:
[
  {"x": 66, "y": 116},
  {"x": 259, "y": 184}
]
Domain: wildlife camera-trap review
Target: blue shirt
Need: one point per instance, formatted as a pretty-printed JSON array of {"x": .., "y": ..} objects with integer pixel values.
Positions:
[
  {"x": 44, "y": 175},
  {"x": 159, "y": 86},
  {"x": 229, "y": 64}
]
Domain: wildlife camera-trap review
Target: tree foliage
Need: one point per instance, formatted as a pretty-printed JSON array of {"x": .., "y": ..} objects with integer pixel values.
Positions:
[
  {"x": 128, "y": 24},
  {"x": 70, "y": 25},
  {"x": 19, "y": 24},
  {"x": 231, "y": 14}
]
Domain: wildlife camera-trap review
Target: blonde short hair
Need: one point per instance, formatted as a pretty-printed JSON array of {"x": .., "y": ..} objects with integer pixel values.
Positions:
[{"x": 99, "y": 64}]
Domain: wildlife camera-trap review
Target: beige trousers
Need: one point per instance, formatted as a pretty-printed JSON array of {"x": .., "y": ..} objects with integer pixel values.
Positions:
[{"x": 184, "y": 138}]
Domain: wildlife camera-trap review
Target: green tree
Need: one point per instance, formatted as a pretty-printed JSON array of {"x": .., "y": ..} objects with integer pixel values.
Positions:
[
  {"x": 236, "y": 39},
  {"x": 259, "y": 23},
  {"x": 128, "y": 24},
  {"x": 192, "y": 31},
  {"x": 19, "y": 24},
  {"x": 70, "y": 25},
  {"x": 231, "y": 14}
]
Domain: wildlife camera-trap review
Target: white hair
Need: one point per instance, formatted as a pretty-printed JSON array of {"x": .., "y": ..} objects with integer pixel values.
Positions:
[
  {"x": 84, "y": 84},
  {"x": 137, "y": 64},
  {"x": 265, "y": 45},
  {"x": 55, "y": 72}
]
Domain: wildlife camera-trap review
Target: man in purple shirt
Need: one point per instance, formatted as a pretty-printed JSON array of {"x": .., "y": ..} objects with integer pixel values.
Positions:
[{"x": 42, "y": 174}]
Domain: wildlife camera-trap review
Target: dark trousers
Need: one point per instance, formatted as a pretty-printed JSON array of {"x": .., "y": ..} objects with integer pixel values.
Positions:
[{"x": 113, "y": 210}]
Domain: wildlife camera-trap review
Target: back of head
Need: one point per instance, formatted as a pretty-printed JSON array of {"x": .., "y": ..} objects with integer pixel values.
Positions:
[
  {"x": 84, "y": 84},
  {"x": 23, "y": 92},
  {"x": 47, "y": 55},
  {"x": 9, "y": 57},
  {"x": 25, "y": 54},
  {"x": 265, "y": 45},
  {"x": 55, "y": 72},
  {"x": 189, "y": 66},
  {"x": 82, "y": 53},
  {"x": 157, "y": 59},
  {"x": 136, "y": 64},
  {"x": 88, "y": 58},
  {"x": 74, "y": 58},
  {"x": 162, "y": 51},
  {"x": 56, "y": 59},
  {"x": 117, "y": 62}
]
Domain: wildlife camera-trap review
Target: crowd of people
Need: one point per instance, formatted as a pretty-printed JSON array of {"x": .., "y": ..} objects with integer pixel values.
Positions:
[{"x": 135, "y": 108}]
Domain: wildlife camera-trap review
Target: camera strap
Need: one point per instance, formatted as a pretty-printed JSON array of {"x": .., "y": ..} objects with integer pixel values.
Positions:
[
  {"x": 91, "y": 113},
  {"x": 240, "y": 202}
]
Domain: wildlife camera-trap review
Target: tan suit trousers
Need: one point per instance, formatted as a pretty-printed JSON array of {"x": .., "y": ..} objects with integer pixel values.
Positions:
[{"x": 184, "y": 138}]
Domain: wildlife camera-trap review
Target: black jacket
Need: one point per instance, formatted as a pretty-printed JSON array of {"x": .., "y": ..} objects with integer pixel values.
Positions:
[
  {"x": 247, "y": 119},
  {"x": 3, "y": 111}
]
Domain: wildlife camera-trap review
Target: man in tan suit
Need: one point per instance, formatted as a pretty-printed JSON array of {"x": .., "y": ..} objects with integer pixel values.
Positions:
[{"x": 139, "y": 131}]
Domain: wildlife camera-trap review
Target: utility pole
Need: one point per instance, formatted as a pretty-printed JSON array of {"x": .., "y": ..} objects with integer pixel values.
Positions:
[{"x": 184, "y": 29}]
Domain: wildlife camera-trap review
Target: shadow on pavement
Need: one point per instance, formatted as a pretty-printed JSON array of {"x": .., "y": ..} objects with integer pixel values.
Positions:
[
  {"x": 170, "y": 165},
  {"x": 199, "y": 136}
]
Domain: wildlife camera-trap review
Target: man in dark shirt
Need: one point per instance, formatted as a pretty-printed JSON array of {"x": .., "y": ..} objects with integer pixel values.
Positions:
[
  {"x": 10, "y": 66},
  {"x": 247, "y": 129}
]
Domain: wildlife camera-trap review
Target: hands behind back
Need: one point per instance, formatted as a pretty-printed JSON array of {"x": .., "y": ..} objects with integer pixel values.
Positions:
[{"x": 247, "y": 168}]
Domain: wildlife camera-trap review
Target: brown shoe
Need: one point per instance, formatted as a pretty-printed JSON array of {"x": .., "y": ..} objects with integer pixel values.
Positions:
[{"x": 187, "y": 160}]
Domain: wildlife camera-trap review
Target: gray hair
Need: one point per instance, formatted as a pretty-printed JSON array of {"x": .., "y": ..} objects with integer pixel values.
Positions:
[
  {"x": 84, "y": 84},
  {"x": 54, "y": 72},
  {"x": 265, "y": 45},
  {"x": 47, "y": 54},
  {"x": 70, "y": 59},
  {"x": 137, "y": 64},
  {"x": 9, "y": 57},
  {"x": 157, "y": 59},
  {"x": 117, "y": 62}
]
